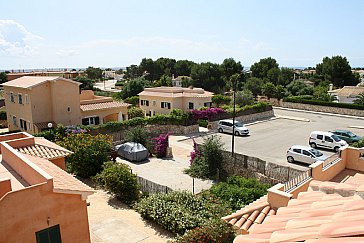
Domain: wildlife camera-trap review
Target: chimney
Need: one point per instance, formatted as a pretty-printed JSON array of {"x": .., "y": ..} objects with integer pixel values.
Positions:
[
  {"x": 172, "y": 76},
  {"x": 330, "y": 87}
]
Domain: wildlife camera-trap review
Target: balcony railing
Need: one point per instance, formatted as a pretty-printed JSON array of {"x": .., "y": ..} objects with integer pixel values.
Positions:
[
  {"x": 290, "y": 185},
  {"x": 333, "y": 159}
]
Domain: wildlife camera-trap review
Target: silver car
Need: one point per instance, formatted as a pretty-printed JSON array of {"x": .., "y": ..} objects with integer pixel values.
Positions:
[
  {"x": 227, "y": 126},
  {"x": 304, "y": 154}
]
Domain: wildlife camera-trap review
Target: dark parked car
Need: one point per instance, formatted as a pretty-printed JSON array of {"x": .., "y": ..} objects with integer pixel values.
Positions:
[{"x": 348, "y": 136}]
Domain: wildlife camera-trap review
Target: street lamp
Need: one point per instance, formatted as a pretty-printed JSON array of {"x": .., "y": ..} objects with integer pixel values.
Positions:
[{"x": 233, "y": 137}]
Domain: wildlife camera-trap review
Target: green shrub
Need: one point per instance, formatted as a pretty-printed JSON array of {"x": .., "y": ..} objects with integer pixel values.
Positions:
[
  {"x": 208, "y": 160},
  {"x": 3, "y": 115},
  {"x": 202, "y": 122},
  {"x": 135, "y": 112},
  {"x": 89, "y": 153},
  {"x": 134, "y": 100},
  {"x": 138, "y": 135},
  {"x": 358, "y": 144},
  {"x": 138, "y": 121},
  {"x": 118, "y": 179},
  {"x": 296, "y": 99},
  {"x": 180, "y": 211},
  {"x": 215, "y": 231},
  {"x": 239, "y": 191}
]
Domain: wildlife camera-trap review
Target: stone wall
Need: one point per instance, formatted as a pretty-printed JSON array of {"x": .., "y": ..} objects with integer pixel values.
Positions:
[
  {"x": 252, "y": 167},
  {"x": 319, "y": 108},
  {"x": 154, "y": 130},
  {"x": 247, "y": 118}
]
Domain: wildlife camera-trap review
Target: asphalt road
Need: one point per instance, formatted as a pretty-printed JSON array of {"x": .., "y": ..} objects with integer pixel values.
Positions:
[
  {"x": 270, "y": 140},
  {"x": 107, "y": 85}
]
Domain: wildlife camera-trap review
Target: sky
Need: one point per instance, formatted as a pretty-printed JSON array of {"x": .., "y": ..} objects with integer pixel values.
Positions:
[{"x": 117, "y": 33}]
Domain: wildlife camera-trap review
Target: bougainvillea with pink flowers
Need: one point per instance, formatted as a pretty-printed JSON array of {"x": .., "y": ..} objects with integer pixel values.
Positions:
[
  {"x": 207, "y": 114},
  {"x": 161, "y": 144}
]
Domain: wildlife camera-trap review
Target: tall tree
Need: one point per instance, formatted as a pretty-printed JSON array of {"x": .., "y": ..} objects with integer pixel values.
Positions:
[
  {"x": 254, "y": 85},
  {"x": 229, "y": 67},
  {"x": 207, "y": 75},
  {"x": 3, "y": 77},
  {"x": 297, "y": 87},
  {"x": 86, "y": 83},
  {"x": 183, "y": 67},
  {"x": 94, "y": 73},
  {"x": 286, "y": 76},
  {"x": 165, "y": 66},
  {"x": 260, "y": 69},
  {"x": 149, "y": 68},
  {"x": 134, "y": 87},
  {"x": 132, "y": 71},
  {"x": 337, "y": 70}
]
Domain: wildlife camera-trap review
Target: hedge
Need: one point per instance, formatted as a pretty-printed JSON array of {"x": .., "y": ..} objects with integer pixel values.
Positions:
[{"x": 295, "y": 99}]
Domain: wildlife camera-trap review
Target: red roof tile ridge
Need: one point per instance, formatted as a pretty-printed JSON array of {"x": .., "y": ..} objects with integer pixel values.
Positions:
[
  {"x": 337, "y": 240},
  {"x": 340, "y": 229},
  {"x": 246, "y": 210},
  {"x": 293, "y": 235}
]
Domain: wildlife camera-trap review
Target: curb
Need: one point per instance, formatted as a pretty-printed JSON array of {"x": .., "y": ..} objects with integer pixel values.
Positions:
[
  {"x": 293, "y": 118},
  {"x": 317, "y": 112}
]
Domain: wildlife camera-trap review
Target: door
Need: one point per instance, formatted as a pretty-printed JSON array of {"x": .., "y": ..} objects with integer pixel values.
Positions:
[
  {"x": 307, "y": 157},
  {"x": 297, "y": 155},
  {"x": 328, "y": 142}
]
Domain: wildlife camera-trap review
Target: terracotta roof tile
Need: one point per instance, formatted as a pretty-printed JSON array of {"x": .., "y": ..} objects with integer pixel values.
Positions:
[
  {"x": 44, "y": 152},
  {"x": 104, "y": 105},
  {"x": 313, "y": 215}
]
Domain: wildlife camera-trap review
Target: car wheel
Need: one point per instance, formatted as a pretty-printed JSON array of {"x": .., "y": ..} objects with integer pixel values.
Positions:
[
  {"x": 290, "y": 159},
  {"x": 237, "y": 134},
  {"x": 313, "y": 145},
  {"x": 220, "y": 130},
  {"x": 336, "y": 149}
]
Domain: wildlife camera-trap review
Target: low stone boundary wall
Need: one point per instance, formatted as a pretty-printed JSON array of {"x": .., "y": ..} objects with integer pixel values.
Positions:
[
  {"x": 247, "y": 118},
  {"x": 320, "y": 108},
  {"x": 252, "y": 167},
  {"x": 154, "y": 130},
  {"x": 152, "y": 187}
]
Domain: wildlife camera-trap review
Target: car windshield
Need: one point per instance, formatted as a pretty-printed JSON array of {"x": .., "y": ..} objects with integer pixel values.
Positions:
[
  {"x": 350, "y": 134},
  {"x": 316, "y": 152},
  {"x": 238, "y": 124},
  {"x": 336, "y": 138}
]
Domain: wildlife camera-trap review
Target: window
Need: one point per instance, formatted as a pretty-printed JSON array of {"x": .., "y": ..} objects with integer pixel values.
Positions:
[
  {"x": 306, "y": 153},
  {"x": 26, "y": 99},
  {"x": 190, "y": 105},
  {"x": 297, "y": 150},
  {"x": 12, "y": 97},
  {"x": 148, "y": 113},
  {"x": 166, "y": 105},
  {"x": 20, "y": 98},
  {"x": 320, "y": 137},
  {"x": 94, "y": 120},
  {"x": 23, "y": 124},
  {"x": 69, "y": 109},
  {"x": 144, "y": 102},
  {"x": 49, "y": 235},
  {"x": 328, "y": 139},
  {"x": 14, "y": 121},
  {"x": 207, "y": 104}
]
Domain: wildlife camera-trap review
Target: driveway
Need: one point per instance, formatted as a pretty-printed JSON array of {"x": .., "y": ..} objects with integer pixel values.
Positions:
[
  {"x": 270, "y": 140},
  {"x": 112, "y": 221},
  {"x": 169, "y": 171}
]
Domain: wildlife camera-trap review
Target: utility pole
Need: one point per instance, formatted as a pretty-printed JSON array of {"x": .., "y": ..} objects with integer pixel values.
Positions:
[{"x": 233, "y": 137}]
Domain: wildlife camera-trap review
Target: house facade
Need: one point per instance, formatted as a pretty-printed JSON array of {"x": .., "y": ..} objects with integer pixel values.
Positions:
[
  {"x": 32, "y": 103},
  {"x": 161, "y": 100},
  {"x": 39, "y": 201},
  {"x": 346, "y": 94}
]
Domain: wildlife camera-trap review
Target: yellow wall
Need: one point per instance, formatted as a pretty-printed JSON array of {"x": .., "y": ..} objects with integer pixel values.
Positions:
[{"x": 65, "y": 94}]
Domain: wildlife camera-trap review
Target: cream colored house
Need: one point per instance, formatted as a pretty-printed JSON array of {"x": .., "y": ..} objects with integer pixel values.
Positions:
[
  {"x": 161, "y": 100},
  {"x": 346, "y": 94},
  {"x": 32, "y": 103}
]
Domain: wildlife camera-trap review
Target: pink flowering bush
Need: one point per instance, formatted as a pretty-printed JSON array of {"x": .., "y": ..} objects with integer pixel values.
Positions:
[
  {"x": 207, "y": 114},
  {"x": 161, "y": 144}
]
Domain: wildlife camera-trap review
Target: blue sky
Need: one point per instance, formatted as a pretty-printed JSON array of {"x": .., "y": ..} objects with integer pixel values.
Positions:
[{"x": 111, "y": 33}]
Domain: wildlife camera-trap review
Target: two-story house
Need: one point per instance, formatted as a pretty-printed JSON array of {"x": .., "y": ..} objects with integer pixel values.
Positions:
[
  {"x": 33, "y": 103},
  {"x": 161, "y": 100}
]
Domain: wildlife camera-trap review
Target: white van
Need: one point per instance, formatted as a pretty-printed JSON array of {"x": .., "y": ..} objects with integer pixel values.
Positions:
[
  {"x": 326, "y": 140},
  {"x": 227, "y": 126}
]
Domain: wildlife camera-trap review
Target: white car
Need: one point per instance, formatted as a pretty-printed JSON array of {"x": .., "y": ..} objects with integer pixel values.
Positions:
[
  {"x": 227, "y": 126},
  {"x": 304, "y": 154},
  {"x": 326, "y": 140}
]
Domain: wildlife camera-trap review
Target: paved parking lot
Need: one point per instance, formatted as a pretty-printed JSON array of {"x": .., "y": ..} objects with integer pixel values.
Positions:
[{"x": 270, "y": 140}]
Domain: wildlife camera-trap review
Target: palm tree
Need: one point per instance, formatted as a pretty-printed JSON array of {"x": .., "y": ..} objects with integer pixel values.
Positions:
[{"x": 360, "y": 99}]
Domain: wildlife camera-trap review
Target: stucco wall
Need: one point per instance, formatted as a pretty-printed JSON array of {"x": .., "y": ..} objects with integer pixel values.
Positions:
[
  {"x": 327, "y": 109},
  {"x": 22, "y": 111},
  {"x": 24, "y": 212},
  {"x": 65, "y": 95}
]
